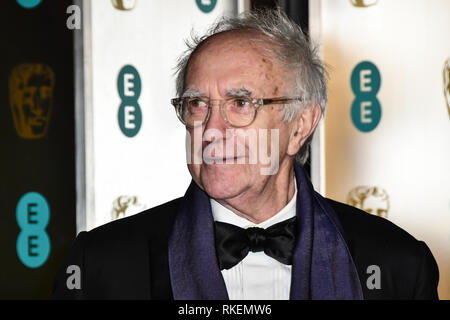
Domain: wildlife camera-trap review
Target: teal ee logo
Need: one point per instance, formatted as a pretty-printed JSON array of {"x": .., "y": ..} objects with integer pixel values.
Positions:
[
  {"x": 130, "y": 115},
  {"x": 206, "y": 6},
  {"x": 33, "y": 243},
  {"x": 29, "y": 4},
  {"x": 366, "y": 109}
]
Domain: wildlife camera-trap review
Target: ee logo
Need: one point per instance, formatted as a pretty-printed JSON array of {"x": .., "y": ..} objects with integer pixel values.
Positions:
[
  {"x": 33, "y": 243},
  {"x": 130, "y": 115},
  {"x": 366, "y": 109},
  {"x": 206, "y": 6},
  {"x": 29, "y": 4}
]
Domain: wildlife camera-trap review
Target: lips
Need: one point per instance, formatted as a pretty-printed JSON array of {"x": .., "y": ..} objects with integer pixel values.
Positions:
[{"x": 222, "y": 160}]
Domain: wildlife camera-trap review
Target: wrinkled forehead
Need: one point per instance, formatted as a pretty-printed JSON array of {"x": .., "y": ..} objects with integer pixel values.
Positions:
[
  {"x": 249, "y": 37},
  {"x": 244, "y": 52},
  {"x": 240, "y": 43}
]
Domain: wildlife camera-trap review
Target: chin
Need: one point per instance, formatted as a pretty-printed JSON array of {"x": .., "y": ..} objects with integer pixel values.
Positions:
[{"x": 222, "y": 181}]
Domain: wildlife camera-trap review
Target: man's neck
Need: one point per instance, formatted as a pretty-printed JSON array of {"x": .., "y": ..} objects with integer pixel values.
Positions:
[{"x": 259, "y": 205}]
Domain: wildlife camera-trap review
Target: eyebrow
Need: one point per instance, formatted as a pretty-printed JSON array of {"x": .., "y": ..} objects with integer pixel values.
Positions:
[
  {"x": 191, "y": 93},
  {"x": 238, "y": 92},
  {"x": 235, "y": 92}
]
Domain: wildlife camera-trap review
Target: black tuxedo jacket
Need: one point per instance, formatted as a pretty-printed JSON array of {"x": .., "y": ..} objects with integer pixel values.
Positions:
[{"x": 128, "y": 258}]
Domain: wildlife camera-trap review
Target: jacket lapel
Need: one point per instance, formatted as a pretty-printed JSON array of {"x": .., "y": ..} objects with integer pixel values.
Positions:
[
  {"x": 194, "y": 271},
  {"x": 322, "y": 265}
]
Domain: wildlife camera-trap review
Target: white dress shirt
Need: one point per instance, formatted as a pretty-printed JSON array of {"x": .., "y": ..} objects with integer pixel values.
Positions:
[{"x": 257, "y": 276}]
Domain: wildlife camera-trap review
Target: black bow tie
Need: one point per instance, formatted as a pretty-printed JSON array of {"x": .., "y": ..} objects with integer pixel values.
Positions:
[{"x": 234, "y": 243}]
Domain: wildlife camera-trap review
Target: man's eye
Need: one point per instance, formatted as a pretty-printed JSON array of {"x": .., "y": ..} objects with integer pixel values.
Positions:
[
  {"x": 197, "y": 103},
  {"x": 241, "y": 103}
]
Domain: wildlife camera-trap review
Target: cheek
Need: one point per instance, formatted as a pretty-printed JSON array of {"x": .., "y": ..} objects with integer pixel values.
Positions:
[
  {"x": 284, "y": 138},
  {"x": 194, "y": 170},
  {"x": 277, "y": 132},
  {"x": 193, "y": 145}
]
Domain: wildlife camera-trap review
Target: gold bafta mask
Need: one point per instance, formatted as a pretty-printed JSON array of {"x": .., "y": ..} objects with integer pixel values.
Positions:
[
  {"x": 363, "y": 3},
  {"x": 31, "y": 88},
  {"x": 126, "y": 206},
  {"x": 125, "y": 5},
  {"x": 370, "y": 199},
  {"x": 446, "y": 74}
]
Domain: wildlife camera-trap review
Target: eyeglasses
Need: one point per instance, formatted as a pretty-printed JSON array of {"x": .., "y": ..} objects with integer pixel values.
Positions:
[{"x": 238, "y": 112}]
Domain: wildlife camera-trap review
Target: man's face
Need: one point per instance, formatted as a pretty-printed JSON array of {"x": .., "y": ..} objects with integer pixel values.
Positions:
[{"x": 225, "y": 66}]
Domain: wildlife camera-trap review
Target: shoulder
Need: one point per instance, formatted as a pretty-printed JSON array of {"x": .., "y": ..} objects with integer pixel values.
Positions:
[
  {"x": 118, "y": 251},
  {"x": 358, "y": 224},
  {"x": 131, "y": 235},
  {"x": 370, "y": 233},
  {"x": 157, "y": 219},
  {"x": 407, "y": 266}
]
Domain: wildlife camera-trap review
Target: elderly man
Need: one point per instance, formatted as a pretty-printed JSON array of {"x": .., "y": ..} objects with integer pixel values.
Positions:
[{"x": 250, "y": 226}]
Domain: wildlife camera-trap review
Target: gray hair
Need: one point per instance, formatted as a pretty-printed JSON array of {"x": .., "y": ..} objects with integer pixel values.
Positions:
[{"x": 292, "y": 48}]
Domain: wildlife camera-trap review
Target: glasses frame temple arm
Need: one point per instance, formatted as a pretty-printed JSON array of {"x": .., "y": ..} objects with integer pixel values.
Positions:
[{"x": 280, "y": 100}]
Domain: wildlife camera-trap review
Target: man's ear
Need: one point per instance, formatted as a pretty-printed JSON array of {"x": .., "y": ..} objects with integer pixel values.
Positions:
[{"x": 304, "y": 125}]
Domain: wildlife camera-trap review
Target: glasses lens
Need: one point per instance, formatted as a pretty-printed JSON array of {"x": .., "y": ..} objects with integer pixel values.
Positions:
[
  {"x": 240, "y": 112},
  {"x": 194, "y": 110}
]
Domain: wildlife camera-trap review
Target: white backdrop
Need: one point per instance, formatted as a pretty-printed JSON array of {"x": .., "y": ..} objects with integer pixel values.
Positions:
[
  {"x": 407, "y": 155},
  {"x": 125, "y": 174}
]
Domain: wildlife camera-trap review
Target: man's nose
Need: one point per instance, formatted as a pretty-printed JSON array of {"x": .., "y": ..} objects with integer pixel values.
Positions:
[{"x": 216, "y": 121}]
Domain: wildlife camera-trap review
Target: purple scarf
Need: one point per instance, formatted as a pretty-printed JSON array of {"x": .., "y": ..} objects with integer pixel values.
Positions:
[{"x": 322, "y": 265}]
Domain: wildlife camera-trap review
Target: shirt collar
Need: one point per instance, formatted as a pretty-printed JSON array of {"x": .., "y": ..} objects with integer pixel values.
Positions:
[{"x": 222, "y": 214}]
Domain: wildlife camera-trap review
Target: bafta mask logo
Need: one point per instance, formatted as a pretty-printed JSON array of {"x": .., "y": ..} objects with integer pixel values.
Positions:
[
  {"x": 363, "y": 3},
  {"x": 446, "y": 75},
  {"x": 373, "y": 200},
  {"x": 126, "y": 206},
  {"x": 31, "y": 89},
  {"x": 124, "y": 5}
]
